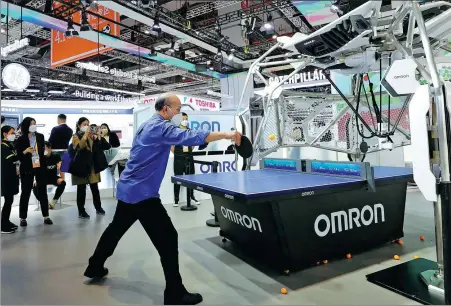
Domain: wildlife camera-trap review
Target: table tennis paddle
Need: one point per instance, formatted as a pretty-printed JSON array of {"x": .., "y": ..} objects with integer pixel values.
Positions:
[{"x": 245, "y": 149}]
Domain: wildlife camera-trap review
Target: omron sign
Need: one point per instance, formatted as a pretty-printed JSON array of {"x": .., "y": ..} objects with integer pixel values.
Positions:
[
  {"x": 302, "y": 77},
  {"x": 347, "y": 220}
]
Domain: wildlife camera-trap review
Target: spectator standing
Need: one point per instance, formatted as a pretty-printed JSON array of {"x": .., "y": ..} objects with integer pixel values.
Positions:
[
  {"x": 10, "y": 177},
  {"x": 61, "y": 134},
  {"x": 110, "y": 137},
  {"x": 89, "y": 145},
  {"x": 30, "y": 150}
]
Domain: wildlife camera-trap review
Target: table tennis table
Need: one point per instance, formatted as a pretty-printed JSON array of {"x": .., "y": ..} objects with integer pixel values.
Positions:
[{"x": 296, "y": 218}]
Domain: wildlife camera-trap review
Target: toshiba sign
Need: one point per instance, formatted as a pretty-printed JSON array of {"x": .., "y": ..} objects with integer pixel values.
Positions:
[{"x": 199, "y": 104}]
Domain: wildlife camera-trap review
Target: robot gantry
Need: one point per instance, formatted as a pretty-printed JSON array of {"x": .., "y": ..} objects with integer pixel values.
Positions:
[{"x": 394, "y": 59}]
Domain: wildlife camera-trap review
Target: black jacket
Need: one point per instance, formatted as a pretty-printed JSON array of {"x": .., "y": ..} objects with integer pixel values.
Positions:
[
  {"x": 113, "y": 139},
  {"x": 10, "y": 179},
  {"x": 60, "y": 137},
  {"x": 95, "y": 155},
  {"x": 26, "y": 164}
]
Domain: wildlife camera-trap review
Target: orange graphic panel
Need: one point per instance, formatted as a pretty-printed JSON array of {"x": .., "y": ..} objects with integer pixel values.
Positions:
[{"x": 65, "y": 50}]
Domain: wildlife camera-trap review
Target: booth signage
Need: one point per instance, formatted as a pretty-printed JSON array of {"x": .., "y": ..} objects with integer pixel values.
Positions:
[
  {"x": 17, "y": 45},
  {"x": 65, "y": 50},
  {"x": 16, "y": 77},
  {"x": 301, "y": 77},
  {"x": 100, "y": 97},
  {"x": 196, "y": 103},
  {"x": 115, "y": 72}
]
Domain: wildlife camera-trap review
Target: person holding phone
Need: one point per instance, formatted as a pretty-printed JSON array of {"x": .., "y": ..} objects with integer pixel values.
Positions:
[
  {"x": 10, "y": 177},
  {"x": 30, "y": 150},
  {"x": 89, "y": 145}
]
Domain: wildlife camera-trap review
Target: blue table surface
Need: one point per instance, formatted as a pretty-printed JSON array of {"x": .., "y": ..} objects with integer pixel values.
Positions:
[{"x": 269, "y": 182}]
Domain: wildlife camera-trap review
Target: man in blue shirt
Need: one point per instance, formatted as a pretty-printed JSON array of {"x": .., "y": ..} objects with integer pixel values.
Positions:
[{"x": 139, "y": 199}]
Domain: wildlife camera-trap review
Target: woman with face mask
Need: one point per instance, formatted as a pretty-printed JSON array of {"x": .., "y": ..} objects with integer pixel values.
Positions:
[
  {"x": 30, "y": 150},
  {"x": 110, "y": 137},
  {"x": 10, "y": 177},
  {"x": 88, "y": 145}
]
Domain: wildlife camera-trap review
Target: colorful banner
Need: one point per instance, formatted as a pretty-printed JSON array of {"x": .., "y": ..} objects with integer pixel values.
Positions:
[
  {"x": 316, "y": 12},
  {"x": 65, "y": 50}
]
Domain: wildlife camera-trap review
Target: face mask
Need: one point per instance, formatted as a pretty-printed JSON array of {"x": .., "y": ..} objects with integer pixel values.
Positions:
[
  {"x": 184, "y": 123},
  {"x": 46, "y": 152},
  {"x": 11, "y": 137},
  {"x": 84, "y": 128},
  {"x": 32, "y": 129},
  {"x": 176, "y": 119}
]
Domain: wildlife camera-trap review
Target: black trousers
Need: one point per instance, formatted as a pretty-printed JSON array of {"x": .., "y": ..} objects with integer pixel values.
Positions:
[
  {"x": 158, "y": 226},
  {"x": 59, "y": 188},
  {"x": 81, "y": 197},
  {"x": 6, "y": 210},
  {"x": 182, "y": 167},
  {"x": 26, "y": 180}
]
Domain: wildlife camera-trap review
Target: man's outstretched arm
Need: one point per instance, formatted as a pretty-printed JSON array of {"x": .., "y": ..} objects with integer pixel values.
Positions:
[{"x": 175, "y": 136}]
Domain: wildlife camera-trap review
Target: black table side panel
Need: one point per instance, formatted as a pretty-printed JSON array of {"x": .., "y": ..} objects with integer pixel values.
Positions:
[{"x": 307, "y": 247}]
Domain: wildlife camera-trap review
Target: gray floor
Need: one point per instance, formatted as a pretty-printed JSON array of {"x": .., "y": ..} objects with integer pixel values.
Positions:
[{"x": 43, "y": 265}]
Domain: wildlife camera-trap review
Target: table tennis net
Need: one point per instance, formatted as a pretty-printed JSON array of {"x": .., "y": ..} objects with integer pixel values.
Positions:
[{"x": 332, "y": 125}]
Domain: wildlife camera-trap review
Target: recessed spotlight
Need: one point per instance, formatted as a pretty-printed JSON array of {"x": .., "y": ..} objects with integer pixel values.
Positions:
[{"x": 147, "y": 32}]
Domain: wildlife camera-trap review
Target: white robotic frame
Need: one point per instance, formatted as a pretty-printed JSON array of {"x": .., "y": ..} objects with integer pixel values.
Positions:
[{"x": 403, "y": 44}]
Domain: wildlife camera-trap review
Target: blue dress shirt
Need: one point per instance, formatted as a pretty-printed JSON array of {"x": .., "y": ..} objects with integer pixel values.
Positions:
[{"x": 144, "y": 172}]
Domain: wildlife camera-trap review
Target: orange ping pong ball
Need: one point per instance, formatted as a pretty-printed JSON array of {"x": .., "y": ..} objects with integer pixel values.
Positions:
[
  {"x": 416, "y": 257},
  {"x": 396, "y": 257},
  {"x": 325, "y": 262},
  {"x": 400, "y": 242},
  {"x": 272, "y": 137},
  {"x": 422, "y": 238},
  {"x": 348, "y": 256},
  {"x": 283, "y": 290}
]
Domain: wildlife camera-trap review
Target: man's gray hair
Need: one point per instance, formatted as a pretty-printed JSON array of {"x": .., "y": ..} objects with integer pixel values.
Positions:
[{"x": 161, "y": 102}]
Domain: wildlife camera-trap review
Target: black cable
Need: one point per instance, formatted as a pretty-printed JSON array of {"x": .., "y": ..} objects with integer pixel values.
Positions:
[{"x": 369, "y": 104}]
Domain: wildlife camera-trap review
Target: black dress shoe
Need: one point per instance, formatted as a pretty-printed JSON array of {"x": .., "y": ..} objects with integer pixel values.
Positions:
[
  {"x": 92, "y": 272},
  {"x": 13, "y": 226},
  {"x": 100, "y": 212},
  {"x": 185, "y": 299},
  {"x": 23, "y": 222},
  {"x": 83, "y": 215},
  {"x": 48, "y": 221}
]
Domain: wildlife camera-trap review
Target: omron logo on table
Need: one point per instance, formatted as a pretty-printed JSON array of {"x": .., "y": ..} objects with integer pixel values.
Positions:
[
  {"x": 243, "y": 220},
  {"x": 347, "y": 220},
  {"x": 212, "y": 126}
]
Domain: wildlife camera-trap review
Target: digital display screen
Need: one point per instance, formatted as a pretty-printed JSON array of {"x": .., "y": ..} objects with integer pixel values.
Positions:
[
  {"x": 280, "y": 164},
  {"x": 336, "y": 168}
]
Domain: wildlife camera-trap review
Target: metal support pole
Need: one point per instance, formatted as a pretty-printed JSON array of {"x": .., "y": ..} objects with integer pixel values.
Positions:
[
  {"x": 188, "y": 206},
  {"x": 444, "y": 186},
  {"x": 214, "y": 222}
]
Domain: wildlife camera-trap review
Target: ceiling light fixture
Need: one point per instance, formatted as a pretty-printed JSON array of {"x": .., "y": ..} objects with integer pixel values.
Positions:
[
  {"x": 152, "y": 52},
  {"x": 172, "y": 48},
  {"x": 231, "y": 55},
  {"x": 70, "y": 29},
  {"x": 85, "y": 26},
  {"x": 269, "y": 24},
  {"x": 91, "y": 87},
  {"x": 156, "y": 23}
]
